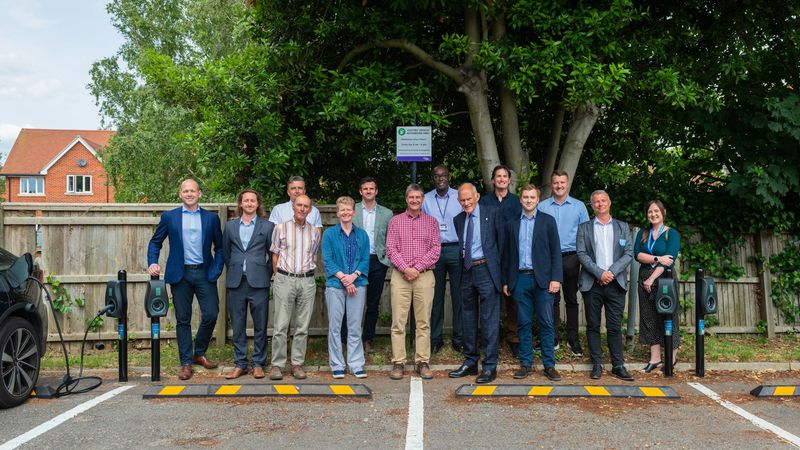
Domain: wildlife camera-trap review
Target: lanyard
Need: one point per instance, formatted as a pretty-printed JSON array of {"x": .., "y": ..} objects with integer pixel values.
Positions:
[
  {"x": 651, "y": 243},
  {"x": 436, "y": 197}
]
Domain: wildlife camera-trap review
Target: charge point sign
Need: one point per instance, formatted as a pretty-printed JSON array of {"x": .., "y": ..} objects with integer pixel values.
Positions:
[{"x": 414, "y": 143}]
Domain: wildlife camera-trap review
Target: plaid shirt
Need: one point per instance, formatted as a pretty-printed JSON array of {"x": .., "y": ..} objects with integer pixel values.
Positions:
[
  {"x": 413, "y": 242},
  {"x": 296, "y": 246}
]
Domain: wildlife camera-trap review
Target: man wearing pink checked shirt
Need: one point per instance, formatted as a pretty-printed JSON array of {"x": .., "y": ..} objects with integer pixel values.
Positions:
[{"x": 412, "y": 246}]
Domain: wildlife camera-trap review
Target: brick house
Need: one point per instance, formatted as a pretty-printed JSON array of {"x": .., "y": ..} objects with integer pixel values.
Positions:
[{"x": 57, "y": 166}]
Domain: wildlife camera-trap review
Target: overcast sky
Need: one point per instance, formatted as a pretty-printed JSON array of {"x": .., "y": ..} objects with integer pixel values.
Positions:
[{"x": 46, "y": 50}]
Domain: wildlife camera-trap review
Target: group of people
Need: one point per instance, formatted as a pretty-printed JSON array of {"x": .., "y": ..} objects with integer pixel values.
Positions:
[{"x": 501, "y": 252}]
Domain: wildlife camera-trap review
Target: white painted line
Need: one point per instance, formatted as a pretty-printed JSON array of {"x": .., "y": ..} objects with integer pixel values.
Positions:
[
  {"x": 61, "y": 418},
  {"x": 757, "y": 421},
  {"x": 416, "y": 410}
]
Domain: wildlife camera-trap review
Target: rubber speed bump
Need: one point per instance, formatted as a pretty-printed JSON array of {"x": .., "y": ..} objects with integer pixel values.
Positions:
[
  {"x": 257, "y": 390},
  {"x": 776, "y": 391},
  {"x": 527, "y": 390}
]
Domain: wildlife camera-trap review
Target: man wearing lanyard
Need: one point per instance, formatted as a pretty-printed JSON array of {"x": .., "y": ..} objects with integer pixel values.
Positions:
[
  {"x": 569, "y": 213},
  {"x": 374, "y": 219},
  {"x": 442, "y": 204}
]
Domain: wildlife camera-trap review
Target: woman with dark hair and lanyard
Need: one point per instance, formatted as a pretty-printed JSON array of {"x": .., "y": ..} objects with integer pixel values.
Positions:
[{"x": 656, "y": 247}]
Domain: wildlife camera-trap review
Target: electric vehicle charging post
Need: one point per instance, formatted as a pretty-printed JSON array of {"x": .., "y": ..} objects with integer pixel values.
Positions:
[
  {"x": 122, "y": 277},
  {"x": 666, "y": 305},
  {"x": 156, "y": 305},
  {"x": 705, "y": 303}
]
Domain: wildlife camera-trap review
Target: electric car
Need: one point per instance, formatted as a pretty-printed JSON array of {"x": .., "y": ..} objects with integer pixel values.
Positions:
[{"x": 23, "y": 328}]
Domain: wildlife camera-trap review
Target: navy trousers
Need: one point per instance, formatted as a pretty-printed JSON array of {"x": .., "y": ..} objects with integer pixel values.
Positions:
[
  {"x": 480, "y": 299},
  {"x": 238, "y": 301}
]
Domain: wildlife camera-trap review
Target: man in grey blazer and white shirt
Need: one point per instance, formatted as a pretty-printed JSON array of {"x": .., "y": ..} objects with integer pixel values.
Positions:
[
  {"x": 245, "y": 244},
  {"x": 605, "y": 251}
]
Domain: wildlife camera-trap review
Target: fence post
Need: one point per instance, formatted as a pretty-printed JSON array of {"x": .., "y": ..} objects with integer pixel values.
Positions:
[
  {"x": 765, "y": 282},
  {"x": 221, "y": 330}
]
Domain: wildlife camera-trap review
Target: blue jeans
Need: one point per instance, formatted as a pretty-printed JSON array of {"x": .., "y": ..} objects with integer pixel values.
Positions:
[
  {"x": 477, "y": 284},
  {"x": 194, "y": 283},
  {"x": 530, "y": 297}
]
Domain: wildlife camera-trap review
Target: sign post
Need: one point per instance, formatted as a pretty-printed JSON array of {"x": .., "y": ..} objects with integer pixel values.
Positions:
[{"x": 414, "y": 144}]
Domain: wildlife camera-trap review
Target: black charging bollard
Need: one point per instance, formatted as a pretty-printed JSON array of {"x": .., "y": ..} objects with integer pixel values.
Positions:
[
  {"x": 156, "y": 306},
  {"x": 666, "y": 305},
  {"x": 700, "y": 326},
  {"x": 122, "y": 277}
]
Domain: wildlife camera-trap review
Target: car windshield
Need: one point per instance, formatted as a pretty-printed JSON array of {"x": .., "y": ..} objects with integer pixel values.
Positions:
[{"x": 6, "y": 259}]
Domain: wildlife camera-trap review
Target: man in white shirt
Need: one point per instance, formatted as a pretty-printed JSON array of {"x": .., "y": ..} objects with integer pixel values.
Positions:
[{"x": 283, "y": 212}]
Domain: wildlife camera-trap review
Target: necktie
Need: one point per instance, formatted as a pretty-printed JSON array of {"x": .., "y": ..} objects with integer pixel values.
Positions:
[{"x": 468, "y": 245}]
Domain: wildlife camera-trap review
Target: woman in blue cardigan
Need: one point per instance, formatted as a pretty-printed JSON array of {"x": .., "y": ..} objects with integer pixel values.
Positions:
[{"x": 345, "y": 252}]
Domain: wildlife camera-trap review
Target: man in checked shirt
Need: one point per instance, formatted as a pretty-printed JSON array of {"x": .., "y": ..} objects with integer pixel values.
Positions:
[{"x": 412, "y": 245}]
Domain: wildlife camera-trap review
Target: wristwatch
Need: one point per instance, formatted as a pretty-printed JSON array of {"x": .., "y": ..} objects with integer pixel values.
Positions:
[{"x": 655, "y": 259}]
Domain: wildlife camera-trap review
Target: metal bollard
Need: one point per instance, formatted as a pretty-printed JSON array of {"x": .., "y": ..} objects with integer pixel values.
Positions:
[{"x": 122, "y": 276}]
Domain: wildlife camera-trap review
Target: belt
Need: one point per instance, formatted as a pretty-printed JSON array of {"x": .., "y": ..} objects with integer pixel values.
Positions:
[
  {"x": 296, "y": 275},
  {"x": 568, "y": 253},
  {"x": 478, "y": 262},
  {"x": 526, "y": 272},
  {"x": 193, "y": 266},
  {"x": 449, "y": 244}
]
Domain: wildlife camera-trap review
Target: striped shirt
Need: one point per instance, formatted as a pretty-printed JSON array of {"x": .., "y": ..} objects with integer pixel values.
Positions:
[
  {"x": 413, "y": 242},
  {"x": 296, "y": 246}
]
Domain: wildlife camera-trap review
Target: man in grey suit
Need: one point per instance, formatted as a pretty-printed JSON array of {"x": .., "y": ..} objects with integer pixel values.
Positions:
[
  {"x": 245, "y": 245},
  {"x": 374, "y": 219},
  {"x": 605, "y": 251}
]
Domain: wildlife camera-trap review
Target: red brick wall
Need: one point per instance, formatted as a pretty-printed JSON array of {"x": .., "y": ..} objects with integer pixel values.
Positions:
[{"x": 55, "y": 182}]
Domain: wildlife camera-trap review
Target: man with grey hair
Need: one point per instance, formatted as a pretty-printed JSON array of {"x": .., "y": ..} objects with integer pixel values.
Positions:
[
  {"x": 295, "y": 187},
  {"x": 605, "y": 251},
  {"x": 412, "y": 245}
]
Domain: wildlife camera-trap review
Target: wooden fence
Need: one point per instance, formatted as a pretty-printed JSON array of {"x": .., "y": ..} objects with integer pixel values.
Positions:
[{"x": 85, "y": 245}]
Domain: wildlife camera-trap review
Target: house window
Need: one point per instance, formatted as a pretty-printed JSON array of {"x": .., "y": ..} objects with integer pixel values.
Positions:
[
  {"x": 31, "y": 186},
  {"x": 79, "y": 184}
]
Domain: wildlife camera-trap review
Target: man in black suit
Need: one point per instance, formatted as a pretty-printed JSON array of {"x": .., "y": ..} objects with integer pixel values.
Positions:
[
  {"x": 246, "y": 243},
  {"x": 605, "y": 251},
  {"x": 532, "y": 273},
  {"x": 476, "y": 228}
]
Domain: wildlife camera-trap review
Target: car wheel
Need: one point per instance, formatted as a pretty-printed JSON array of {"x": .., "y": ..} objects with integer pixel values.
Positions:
[{"x": 19, "y": 361}]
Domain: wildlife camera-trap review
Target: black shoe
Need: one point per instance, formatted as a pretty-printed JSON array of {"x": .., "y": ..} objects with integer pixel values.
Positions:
[
  {"x": 622, "y": 373},
  {"x": 651, "y": 367},
  {"x": 552, "y": 374},
  {"x": 463, "y": 371},
  {"x": 436, "y": 346},
  {"x": 523, "y": 372},
  {"x": 458, "y": 348},
  {"x": 597, "y": 372},
  {"x": 514, "y": 347},
  {"x": 576, "y": 350},
  {"x": 487, "y": 376}
]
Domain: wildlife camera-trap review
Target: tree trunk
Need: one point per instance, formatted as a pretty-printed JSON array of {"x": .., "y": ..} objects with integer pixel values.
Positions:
[
  {"x": 516, "y": 158},
  {"x": 475, "y": 92},
  {"x": 583, "y": 120},
  {"x": 552, "y": 151}
]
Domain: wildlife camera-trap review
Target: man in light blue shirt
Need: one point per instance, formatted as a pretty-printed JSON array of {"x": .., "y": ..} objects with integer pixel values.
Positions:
[
  {"x": 569, "y": 213},
  {"x": 442, "y": 204}
]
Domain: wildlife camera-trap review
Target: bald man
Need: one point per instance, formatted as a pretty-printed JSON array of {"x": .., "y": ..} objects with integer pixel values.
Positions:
[
  {"x": 477, "y": 230},
  {"x": 192, "y": 270}
]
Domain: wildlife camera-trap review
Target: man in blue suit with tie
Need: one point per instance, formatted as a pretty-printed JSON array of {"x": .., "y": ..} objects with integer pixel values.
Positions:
[
  {"x": 532, "y": 273},
  {"x": 192, "y": 270},
  {"x": 476, "y": 228}
]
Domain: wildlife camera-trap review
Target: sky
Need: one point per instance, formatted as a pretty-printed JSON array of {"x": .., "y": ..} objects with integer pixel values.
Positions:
[{"x": 46, "y": 50}]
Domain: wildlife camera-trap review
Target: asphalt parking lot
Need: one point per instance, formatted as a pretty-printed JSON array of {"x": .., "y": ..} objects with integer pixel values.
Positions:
[{"x": 400, "y": 415}]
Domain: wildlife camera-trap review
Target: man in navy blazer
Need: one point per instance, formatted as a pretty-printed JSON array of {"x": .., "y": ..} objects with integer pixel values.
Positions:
[
  {"x": 532, "y": 273},
  {"x": 476, "y": 228},
  {"x": 245, "y": 246},
  {"x": 192, "y": 270},
  {"x": 605, "y": 251}
]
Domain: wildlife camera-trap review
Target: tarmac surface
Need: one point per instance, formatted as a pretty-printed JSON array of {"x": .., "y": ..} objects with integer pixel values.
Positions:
[{"x": 430, "y": 415}]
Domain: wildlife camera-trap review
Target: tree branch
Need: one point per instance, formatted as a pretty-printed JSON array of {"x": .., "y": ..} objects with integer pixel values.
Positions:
[{"x": 408, "y": 47}]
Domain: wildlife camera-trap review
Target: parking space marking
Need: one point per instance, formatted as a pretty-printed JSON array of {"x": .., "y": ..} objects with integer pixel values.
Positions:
[
  {"x": 416, "y": 415},
  {"x": 61, "y": 418},
  {"x": 755, "y": 420}
]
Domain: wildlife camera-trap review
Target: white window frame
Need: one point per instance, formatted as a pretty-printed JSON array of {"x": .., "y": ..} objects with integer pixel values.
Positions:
[
  {"x": 74, "y": 179},
  {"x": 25, "y": 181}
]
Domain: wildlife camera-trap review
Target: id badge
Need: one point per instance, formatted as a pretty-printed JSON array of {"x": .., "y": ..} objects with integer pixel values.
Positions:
[{"x": 443, "y": 228}]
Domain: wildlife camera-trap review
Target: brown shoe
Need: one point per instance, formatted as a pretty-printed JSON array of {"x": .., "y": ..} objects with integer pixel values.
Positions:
[
  {"x": 368, "y": 347},
  {"x": 205, "y": 362},
  {"x": 237, "y": 372},
  {"x": 397, "y": 371},
  {"x": 424, "y": 371},
  {"x": 258, "y": 372},
  {"x": 298, "y": 372},
  {"x": 185, "y": 372},
  {"x": 275, "y": 373}
]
